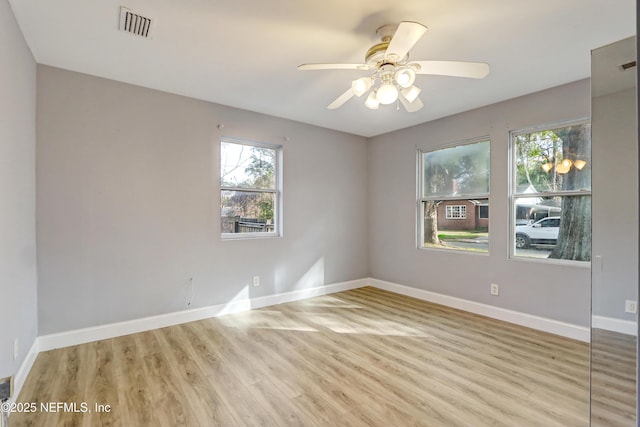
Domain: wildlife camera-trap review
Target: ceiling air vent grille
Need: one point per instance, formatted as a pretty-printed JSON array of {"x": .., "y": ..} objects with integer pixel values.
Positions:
[{"x": 131, "y": 22}]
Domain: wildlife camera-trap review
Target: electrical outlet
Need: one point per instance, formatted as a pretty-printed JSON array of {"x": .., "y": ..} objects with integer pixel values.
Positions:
[
  {"x": 16, "y": 349},
  {"x": 495, "y": 289},
  {"x": 630, "y": 306},
  {"x": 256, "y": 281}
]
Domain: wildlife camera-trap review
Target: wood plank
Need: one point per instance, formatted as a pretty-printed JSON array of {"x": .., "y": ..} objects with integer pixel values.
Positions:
[
  {"x": 201, "y": 402},
  {"x": 364, "y": 357},
  {"x": 613, "y": 376},
  {"x": 134, "y": 394}
]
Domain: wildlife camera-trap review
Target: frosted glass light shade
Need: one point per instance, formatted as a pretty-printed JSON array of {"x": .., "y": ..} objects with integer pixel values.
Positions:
[
  {"x": 387, "y": 94},
  {"x": 405, "y": 77},
  {"x": 411, "y": 93},
  {"x": 579, "y": 164},
  {"x": 564, "y": 166},
  {"x": 361, "y": 85},
  {"x": 372, "y": 101}
]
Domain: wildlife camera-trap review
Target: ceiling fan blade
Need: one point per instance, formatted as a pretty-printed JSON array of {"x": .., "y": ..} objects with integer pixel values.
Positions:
[
  {"x": 341, "y": 99},
  {"x": 405, "y": 37},
  {"x": 474, "y": 70},
  {"x": 411, "y": 107},
  {"x": 360, "y": 67}
]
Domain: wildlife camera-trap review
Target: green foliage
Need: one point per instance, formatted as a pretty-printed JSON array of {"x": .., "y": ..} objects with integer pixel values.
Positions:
[
  {"x": 533, "y": 151},
  {"x": 261, "y": 168},
  {"x": 460, "y": 170},
  {"x": 539, "y": 156},
  {"x": 465, "y": 234},
  {"x": 246, "y": 168}
]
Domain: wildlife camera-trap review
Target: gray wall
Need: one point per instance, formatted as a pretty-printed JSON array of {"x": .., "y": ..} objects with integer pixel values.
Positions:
[
  {"x": 128, "y": 204},
  {"x": 615, "y": 203},
  {"x": 18, "y": 280},
  {"x": 560, "y": 292}
]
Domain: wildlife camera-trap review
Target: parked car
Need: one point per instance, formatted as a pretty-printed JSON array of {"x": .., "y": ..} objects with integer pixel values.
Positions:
[{"x": 541, "y": 232}]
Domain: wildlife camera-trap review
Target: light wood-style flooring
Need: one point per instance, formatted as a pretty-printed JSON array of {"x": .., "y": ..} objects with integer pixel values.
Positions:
[
  {"x": 613, "y": 379},
  {"x": 364, "y": 357}
]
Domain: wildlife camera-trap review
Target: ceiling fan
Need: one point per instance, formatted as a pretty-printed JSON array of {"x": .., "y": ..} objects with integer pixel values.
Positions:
[{"x": 393, "y": 73}]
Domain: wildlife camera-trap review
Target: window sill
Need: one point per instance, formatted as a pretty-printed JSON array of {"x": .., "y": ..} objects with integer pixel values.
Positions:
[{"x": 249, "y": 236}]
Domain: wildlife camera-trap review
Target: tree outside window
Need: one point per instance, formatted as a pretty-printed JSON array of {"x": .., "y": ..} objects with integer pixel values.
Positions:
[
  {"x": 249, "y": 189},
  {"x": 552, "y": 178},
  {"x": 454, "y": 191}
]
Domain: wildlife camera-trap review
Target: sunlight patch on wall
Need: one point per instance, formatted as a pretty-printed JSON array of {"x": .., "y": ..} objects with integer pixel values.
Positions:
[
  {"x": 239, "y": 302},
  {"x": 312, "y": 278}
]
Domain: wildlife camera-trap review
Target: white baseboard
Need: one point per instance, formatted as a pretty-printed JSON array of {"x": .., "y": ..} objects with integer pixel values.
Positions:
[
  {"x": 112, "y": 330},
  {"x": 581, "y": 333},
  {"x": 25, "y": 368},
  {"x": 627, "y": 327}
]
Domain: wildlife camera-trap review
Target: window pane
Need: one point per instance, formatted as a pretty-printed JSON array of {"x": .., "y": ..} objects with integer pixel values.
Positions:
[
  {"x": 554, "y": 160},
  {"x": 456, "y": 212},
  {"x": 247, "y": 212},
  {"x": 455, "y": 224},
  {"x": 461, "y": 170},
  {"x": 531, "y": 209},
  {"x": 555, "y": 227},
  {"x": 247, "y": 166}
]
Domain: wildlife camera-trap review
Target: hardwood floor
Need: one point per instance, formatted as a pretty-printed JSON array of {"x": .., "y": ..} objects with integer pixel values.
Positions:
[
  {"x": 613, "y": 379},
  {"x": 364, "y": 357}
]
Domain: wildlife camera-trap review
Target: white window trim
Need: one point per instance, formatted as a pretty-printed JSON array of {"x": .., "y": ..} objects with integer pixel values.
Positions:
[
  {"x": 461, "y": 209},
  {"x": 277, "y": 208},
  {"x": 513, "y": 195},
  {"x": 480, "y": 211},
  {"x": 420, "y": 199}
]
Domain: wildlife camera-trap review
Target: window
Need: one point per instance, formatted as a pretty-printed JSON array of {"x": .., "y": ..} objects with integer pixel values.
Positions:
[
  {"x": 250, "y": 189},
  {"x": 453, "y": 197},
  {"x": 456, "y": 212},
  {"x": 551, "y": 192},
  {"x": 484, "y": 212}
]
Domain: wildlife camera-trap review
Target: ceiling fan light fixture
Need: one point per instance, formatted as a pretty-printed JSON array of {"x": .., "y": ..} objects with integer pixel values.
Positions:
[
  {"x": 410, "y": 93},
  {"x": 411, "y": 107},
  {"x": 387, "y": 94},
  {"x": 392, "y": 76},
  {"x": 361, "y": 85},
  {"x": 579, "y": 164},
  {"x": 372, "y": 101},
  {"x": 564, "y": 166},
  {"x": 405, "y": 77},
  {"x": 547, "y": 166}
]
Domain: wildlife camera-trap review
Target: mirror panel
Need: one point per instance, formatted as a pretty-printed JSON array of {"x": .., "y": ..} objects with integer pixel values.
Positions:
[{"x": 614, "y": 234}]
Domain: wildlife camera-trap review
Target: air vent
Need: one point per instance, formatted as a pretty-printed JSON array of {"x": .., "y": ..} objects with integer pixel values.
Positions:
[
  {"x": 627, "y": 65},
  {"x": 131, "y": 22}
]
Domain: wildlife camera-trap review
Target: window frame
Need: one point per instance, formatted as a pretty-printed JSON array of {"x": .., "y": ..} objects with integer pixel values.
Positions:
[
  {"x": 513, "y": 195},
  {"x": 276, "y": 191},
  {"x": 483, "y": 205},
  {"x": 421, "y": 199},
  {"x": 461, "y": 210}
]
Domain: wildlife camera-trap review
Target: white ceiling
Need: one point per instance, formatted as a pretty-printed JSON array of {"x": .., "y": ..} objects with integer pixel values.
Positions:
[{"x": 244, "y": 53}]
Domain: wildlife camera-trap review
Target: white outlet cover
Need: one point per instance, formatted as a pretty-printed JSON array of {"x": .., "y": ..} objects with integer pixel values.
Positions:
[
  {"x": 631, "y": 306},
  {"x": 16, "y": 349}
]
